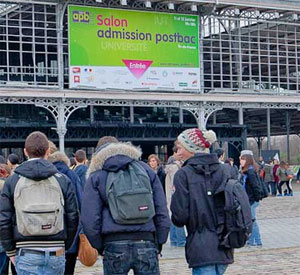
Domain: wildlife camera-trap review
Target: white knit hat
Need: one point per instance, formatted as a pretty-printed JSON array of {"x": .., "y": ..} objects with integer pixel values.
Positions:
[
  {"x": 246, "y": 152},
  {"x": 194, "y": 140}
]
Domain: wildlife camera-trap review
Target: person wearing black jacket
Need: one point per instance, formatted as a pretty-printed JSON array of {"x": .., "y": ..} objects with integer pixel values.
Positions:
[
  {"x": 195, "y": 199},
  {"x": 250, "y": 183},
  {"x": 45, "y": 253}
]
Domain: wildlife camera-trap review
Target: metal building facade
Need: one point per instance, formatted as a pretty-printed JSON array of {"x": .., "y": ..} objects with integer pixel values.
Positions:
[
  {"x": 241, "y": 47},
  {"x": 244, "y": 49}
]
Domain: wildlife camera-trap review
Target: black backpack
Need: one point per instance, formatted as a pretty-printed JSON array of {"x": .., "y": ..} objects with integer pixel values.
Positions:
[
  {"x": 263, "y": 189},
  {"x": 237, "y": 223},
  {"x": 233, "y": 211}
]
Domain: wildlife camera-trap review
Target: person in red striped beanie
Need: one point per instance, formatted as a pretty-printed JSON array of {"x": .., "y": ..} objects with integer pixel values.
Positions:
[
  {"x": 196, "y": 141},
  {"x": 195, "y": 202}
]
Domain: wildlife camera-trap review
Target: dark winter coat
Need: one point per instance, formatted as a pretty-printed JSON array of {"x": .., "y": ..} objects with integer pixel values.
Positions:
[
  {"x": 37, "y": 169},
  {"x": 61, "y": 162},
  {"x": 252, "y": 186},
  {"x": 162, "y": 177},
  {"x": 96, "y": 218},
  {"x": 194, "y": 205},
  {"x": 80, "y": 171},
  {"x": 232, "y": 170}
]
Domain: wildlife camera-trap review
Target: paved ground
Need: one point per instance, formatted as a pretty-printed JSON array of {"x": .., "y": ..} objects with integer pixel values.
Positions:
[{"x": 279, "y": 221}]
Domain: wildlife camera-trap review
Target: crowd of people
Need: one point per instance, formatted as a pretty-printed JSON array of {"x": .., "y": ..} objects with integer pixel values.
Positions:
[{"x": 48, "y": 200}]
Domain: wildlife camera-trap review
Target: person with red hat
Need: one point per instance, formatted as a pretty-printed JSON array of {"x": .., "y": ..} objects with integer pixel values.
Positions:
[{"x": 194, "y": 202}]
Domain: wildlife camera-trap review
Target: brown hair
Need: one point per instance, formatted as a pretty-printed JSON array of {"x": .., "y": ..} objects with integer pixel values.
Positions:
[
  {"x": 249, "y": 161},
  {"x": 155, "y": 157},
  {"x": 283, "y": 165},
  {"x": 36, "y": 145},
  {"x": 80, "y": 156},
  {"x": 106, "y": 139},
  {"x": 4, "y": 170},
  {"x": 228, "y": 160}
]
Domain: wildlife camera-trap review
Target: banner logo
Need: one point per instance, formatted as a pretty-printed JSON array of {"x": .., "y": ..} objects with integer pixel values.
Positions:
[
  {"x": 137, "y": 67},
  {"x": 81, "y": 16}
]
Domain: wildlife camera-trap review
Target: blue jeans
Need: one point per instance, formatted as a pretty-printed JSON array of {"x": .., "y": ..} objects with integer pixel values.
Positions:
[
  {"x": 213, "y": 269},
  {"x": 39, "y": 264},
  {"x": 3, "y": 263},
  {"x": 121, "y": 256},
  {"x": 177, "y": 235},
  {"x": 255, "y": 235}
]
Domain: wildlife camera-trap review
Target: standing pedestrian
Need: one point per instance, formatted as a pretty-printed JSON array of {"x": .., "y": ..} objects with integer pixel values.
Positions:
[
  {"x": 81, "y": 168},
  {"x": 285, "y": 176},
  {"x": 37, "y": 247},
  {"x": 276, "y": 178},
  {"x": 177, "y": 234},
  {"x": 155, "y": 163},
  {"x": 195, "y": 201},
  {"x": 12, "y": 161},
  {"x": 61, "y": 162},
  {"x": 124, "y": 241},
  {"x": 250, "y": 182},
  {"x": 269, "y": 177},
  {"x": 5, "y": 172}
]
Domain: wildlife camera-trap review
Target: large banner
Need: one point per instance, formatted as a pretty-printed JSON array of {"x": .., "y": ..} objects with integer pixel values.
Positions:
[{"x": 122, "y": 49}]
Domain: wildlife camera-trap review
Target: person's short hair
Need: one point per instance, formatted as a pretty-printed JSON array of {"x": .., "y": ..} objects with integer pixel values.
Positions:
[
  {"x": 105, "y": 140},
  {"x": 2, "y": 160},
  {"x": 13, "y": 159},
  {"x": 36, "y": 145},
  {"x": 80, "y": 155},
  {"x": 219, "y": 152}
]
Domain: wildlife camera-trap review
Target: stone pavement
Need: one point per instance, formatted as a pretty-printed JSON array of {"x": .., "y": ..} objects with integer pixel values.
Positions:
[{"x": 279, "y": 222}]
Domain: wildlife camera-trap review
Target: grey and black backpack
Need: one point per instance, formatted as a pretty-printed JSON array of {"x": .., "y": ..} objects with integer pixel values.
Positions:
[
  {"x": 129, "y": 195},
  {"x": 39, "y": 206}
]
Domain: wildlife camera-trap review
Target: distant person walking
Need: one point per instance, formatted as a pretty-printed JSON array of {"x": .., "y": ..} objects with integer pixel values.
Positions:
[
  {"x": 276, "y": 178},
  {"x": 81, "y": 168},
  {"x": 234, "y": 171},
  {"x": 250, "y": 182},
  {"x": 285, "y": 175},
  {"x": 269, "y": 178},
  {"x": 155, "y": 163},
  {"x": 177, "y": 234},
  {"x": 12, "y": 161}
]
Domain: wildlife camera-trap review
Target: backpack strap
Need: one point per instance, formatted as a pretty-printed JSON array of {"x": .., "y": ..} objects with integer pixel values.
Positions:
[{"x": 207, "y": 176}]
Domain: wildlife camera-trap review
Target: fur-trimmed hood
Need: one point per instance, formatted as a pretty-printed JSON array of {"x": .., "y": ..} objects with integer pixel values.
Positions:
[
  {"x": 125, "y": 150},
  {"x": 59, "y": 156}
]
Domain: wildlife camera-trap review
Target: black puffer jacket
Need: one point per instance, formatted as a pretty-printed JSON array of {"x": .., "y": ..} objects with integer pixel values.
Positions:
[
  {"x": 37, "y": 169},
  {"x": 194, "y": 205}
]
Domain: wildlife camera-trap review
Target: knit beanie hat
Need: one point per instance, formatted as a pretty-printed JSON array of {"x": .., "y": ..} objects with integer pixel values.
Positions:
[
  {"x": 195, "y": 141},
  {"x": 246, "y": 152}
]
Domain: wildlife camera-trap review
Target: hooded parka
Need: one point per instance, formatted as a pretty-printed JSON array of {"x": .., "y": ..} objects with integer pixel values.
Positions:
[{"x": 194, "y": 205}]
